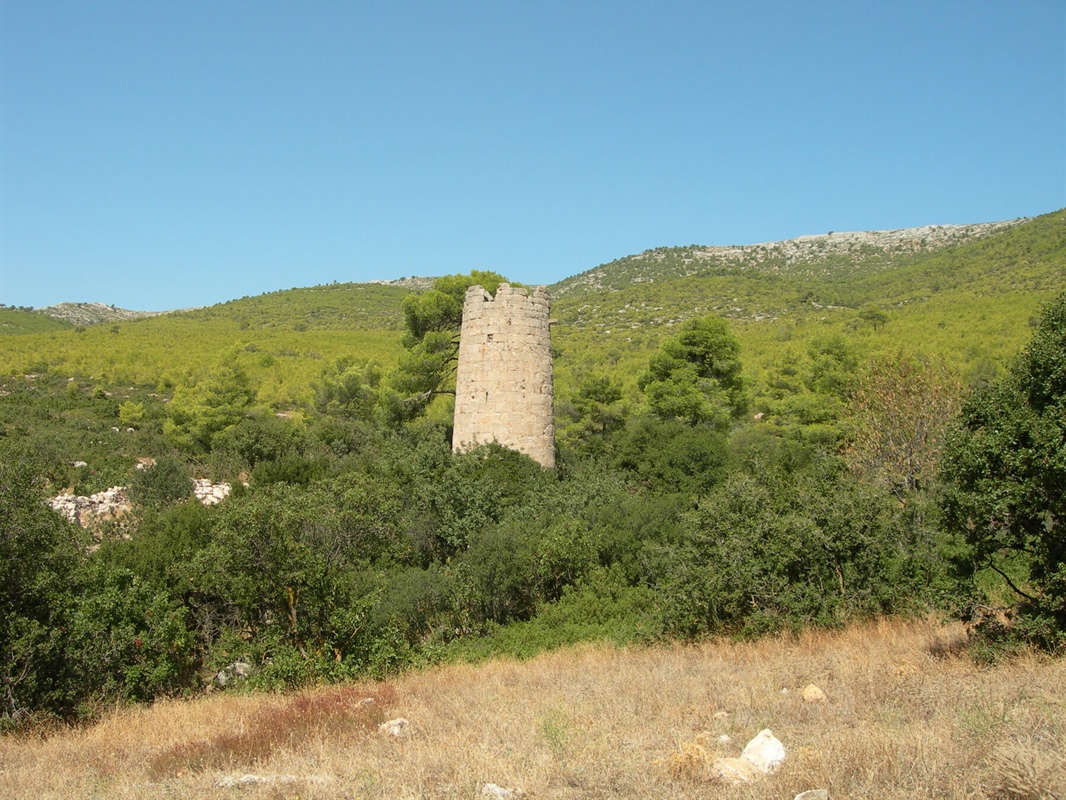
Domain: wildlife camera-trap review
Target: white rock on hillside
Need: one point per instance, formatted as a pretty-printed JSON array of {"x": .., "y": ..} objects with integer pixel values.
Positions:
[
  {"x": 99, "y": 507},
  {"x": 210, "y": 493}
]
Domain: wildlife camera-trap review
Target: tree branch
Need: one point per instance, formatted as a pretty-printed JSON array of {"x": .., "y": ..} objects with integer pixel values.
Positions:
[{"x": 1010, "y": 583}]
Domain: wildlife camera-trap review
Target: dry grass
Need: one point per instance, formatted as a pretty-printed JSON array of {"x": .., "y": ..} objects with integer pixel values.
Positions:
[{"x": 905, "y": 718}]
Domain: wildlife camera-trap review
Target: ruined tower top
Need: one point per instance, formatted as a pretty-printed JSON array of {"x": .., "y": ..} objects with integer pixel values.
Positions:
[{"x": 503, "y": 387}]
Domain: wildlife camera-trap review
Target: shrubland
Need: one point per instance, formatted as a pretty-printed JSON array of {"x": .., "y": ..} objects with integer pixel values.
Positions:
[{"x": 720, "y": 472}]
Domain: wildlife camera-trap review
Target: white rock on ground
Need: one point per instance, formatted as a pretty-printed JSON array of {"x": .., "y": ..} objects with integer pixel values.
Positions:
[
  {"x": 762, "y": 755},
  {"x": 492, "y": 790},
  {"x": 394, "y": 727},
  {"x": 765, "y": 751}
]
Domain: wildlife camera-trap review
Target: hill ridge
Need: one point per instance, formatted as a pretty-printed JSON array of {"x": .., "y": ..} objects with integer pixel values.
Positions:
[{"x": 828, "y": 253}]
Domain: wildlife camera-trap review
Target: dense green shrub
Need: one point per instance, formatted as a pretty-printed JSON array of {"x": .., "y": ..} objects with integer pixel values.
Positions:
[
  {"x": 696, "y": 375},
  {"x": 1005, "y": 473},
  {"x": 670, "y": 455},
  {"x": 38, "y": 557},
  {"x": 780, "y": 549},
  {"x": 164, "y": 482},
  {"x": 127, "y": 639}
]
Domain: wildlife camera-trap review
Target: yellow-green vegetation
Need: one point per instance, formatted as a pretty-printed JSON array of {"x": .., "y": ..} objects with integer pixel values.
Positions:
[
  {"x": 14, "y": 321},
  {"x": 973, "y": 305},
  {"x": 739, "y": 453},
  {"x": 283, "y": 340}
]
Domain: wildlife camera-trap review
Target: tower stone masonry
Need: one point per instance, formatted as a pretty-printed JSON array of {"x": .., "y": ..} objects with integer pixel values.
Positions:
[{"x": 503, "y": 386}]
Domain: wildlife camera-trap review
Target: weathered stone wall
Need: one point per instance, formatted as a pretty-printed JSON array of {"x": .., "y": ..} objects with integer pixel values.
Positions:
[{"x": 503, "y": 389}]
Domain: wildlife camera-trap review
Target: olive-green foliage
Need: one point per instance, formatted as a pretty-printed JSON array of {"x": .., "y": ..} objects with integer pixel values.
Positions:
[
  {"x": 283, "y": 567},
  {"x": 599, "y": 607},
  {"x": 73, "y": 628},
  {"x": 197, "y": 414},
  {"x": 1005, "y": 472},
  {"x": 670, "y": 455},
  {"x": 970, "y": 305},
  {"x": 281, "y": 341},
  {"x": 595, "y": 411},
  {"x": 432, "y": 323},
  {"x": 166, "y": 481},
  {"x": 128, "y": 639},
  {"x": 440, "y": 310},
  {"x": 66, "y": 421},
  {"x": 38, "y": 555},
  {"x": 779, "y": 548},
  {"x": 15, "y": 321},
  {"x": 349, "y": 388},
  {"x": 695, "y": 376}
]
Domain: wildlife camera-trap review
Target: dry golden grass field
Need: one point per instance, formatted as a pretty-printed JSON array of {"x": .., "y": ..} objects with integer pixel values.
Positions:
[{"x": 906, "y": 716}]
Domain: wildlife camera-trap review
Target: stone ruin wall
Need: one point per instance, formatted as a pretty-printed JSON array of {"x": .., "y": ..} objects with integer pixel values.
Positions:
[{"x": 503, "y": 388}]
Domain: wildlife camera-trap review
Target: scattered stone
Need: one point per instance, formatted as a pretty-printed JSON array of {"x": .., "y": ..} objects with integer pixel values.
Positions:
[
  {"x": 719, "y": 715},
  {"x": 762, "y": 755},
  {"x": 733, "y": 770},
  {"x": 237, "y": 670},
  {"x": 813, "y": 794},
  {"x": 237, "y": 781},
  {"x": 492, "y": 790},
  {"x": 100, "y": 507},
  {"x": 765, "y": 751},
  {"x": 394, "y": 727},
  {"x": 145, "y": 462},
  {"x": 80, "y": 464},
  {"x": 812, "y": 694},
  {"x": 725, "y": 738}
]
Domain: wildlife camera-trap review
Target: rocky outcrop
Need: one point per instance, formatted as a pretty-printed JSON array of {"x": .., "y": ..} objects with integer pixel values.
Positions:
[
  {"x": 808, "y": 255},
  {"x": 762, "y": 756},
  {"x": 210, "y": 493},
  {"x": 93, "y": 313},
  {"x": 95, "y": 509},
  {"x": 113, "y": 503}
]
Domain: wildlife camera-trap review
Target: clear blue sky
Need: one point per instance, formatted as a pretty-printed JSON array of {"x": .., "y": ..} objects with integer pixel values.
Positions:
[{"x": 159, "y": 155}]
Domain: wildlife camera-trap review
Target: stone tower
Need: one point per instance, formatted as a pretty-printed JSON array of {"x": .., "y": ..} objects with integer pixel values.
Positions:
[{"x": 503, "y": 388}]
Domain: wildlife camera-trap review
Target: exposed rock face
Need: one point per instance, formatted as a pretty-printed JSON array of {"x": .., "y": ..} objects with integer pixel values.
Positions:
[
  {"x": 503, "y": 389},
  {"x": 93, "y": 313},
  {"x": 112, "y": 503},
  {"x": 210, "y": 493},
  {"x": 96, "y": 508},
  {"x": 790, "y": 255}
]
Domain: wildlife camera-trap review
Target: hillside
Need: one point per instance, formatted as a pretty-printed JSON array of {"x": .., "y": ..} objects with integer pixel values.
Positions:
[
  {"x": 92, "y": 313},
  {"x": 16, "y": 321},
  {"x": 824, "y": 256},
  {"x": 970, "y": 303},
  {"x": 805, "y": 441},
  {"x": 966, "y": 293}
]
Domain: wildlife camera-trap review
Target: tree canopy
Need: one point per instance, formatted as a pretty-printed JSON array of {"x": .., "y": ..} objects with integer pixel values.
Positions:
[
  {"x": 695, "y": 376},
  {"x": 1005, "y": 472},
  {"x": 432, "y": 323}
]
